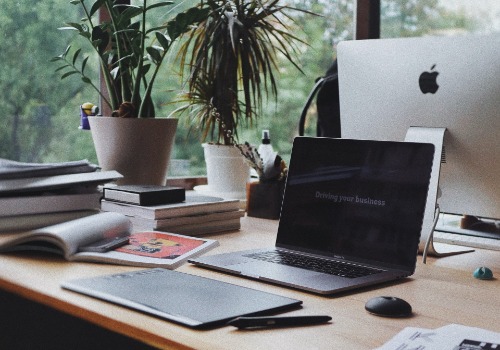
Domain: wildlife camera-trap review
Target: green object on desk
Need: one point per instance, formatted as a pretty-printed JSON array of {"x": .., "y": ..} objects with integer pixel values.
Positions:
[{"x": 483, "y": 273}]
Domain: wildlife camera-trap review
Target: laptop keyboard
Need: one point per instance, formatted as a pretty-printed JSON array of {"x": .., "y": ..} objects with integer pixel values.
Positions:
[{"x": 336, "y": 268}]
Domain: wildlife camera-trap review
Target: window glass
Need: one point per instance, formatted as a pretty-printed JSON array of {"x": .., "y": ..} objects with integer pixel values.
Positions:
[
  {"x": 41, "y": 111},
  {"x": 404, "y": 18}
]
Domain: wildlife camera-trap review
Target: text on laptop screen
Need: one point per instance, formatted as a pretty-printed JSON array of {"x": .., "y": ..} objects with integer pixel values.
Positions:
[{"x": 356, "y": 199}]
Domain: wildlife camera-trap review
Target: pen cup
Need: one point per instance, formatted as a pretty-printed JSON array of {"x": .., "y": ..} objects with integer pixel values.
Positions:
[{"x": 264, "y": 199}]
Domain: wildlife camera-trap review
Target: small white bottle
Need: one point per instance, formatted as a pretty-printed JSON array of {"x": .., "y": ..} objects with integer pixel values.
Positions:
[
  {"x": 265, "y": 148},
  {"x": 270, "y": 167}
]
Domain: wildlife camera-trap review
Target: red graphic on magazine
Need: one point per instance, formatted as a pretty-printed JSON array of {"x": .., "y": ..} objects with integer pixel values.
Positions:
[{"x": 159, "y": 245}]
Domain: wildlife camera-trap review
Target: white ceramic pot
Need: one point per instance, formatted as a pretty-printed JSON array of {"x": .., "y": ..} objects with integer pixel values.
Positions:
[
  {"x": 138, "y": 148},
  {"x": 227, "y": 172}
]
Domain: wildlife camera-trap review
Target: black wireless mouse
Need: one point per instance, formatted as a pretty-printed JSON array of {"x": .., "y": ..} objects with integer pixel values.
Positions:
[{"x": 388, "y": 306}]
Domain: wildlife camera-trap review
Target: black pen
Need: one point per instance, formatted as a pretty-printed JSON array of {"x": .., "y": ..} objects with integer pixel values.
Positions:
[{"x": 279, "y": 321}]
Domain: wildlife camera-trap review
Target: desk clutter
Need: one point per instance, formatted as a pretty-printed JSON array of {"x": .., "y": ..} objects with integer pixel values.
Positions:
[
  {"x": 194, "y": 216},
  {"x": 34, "y": 195}
]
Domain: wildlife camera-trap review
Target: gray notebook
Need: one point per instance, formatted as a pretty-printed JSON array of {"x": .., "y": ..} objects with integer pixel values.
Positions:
[{"x": 190, "y": 300}]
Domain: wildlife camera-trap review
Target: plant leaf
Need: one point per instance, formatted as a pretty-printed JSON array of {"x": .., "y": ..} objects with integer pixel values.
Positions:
[
  {"x": 61, "y": 68},
  {"x": 145, "y": 69},
  {"x": 67, "y": 28},
  {"x": 65, "y": 53},
  {"x": 101, "y": 38},
  {"x": 95, "y": 7},
  {"x": 74, "y": 25},
  {"x": 114, "y": 72},
  {"x": 65, "y": 75},
  {"x": 154, "y": 53},
  {"x": 84, "y": 63},
  {"x": 160, "y": 4},
  {"x": 75, "y": 55},
  {"x": 130, "y": 12},
  {"x": 163, "y": 40}
]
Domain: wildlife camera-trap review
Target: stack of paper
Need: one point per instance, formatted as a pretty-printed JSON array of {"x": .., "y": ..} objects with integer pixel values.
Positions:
[
  {"x": 195, "y": 216},
  {"x": 450, "y": 337},
  {"x": 34, "y": 195}
]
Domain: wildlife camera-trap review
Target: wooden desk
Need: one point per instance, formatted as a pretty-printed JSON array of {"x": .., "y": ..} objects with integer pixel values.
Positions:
[{"x": 441, "y": 292}]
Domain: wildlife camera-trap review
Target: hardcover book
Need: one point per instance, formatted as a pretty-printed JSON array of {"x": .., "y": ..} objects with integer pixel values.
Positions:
[
  {"x": 170, "y": 224},
  {"x": 144, "y": 249},
  {"x": 49, "y": 203},
  {"x": 198, "y": 229},
  {"x": 193, "y": 205},
  {"x": 145, "y": 194},
  {"x": 25, "y": 222},
  {"x": 10, "y": 169},
  {"x": 40, "y": 184}
]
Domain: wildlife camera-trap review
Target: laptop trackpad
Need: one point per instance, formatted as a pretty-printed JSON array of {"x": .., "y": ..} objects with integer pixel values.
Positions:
[{"x": 256, "y": 269}]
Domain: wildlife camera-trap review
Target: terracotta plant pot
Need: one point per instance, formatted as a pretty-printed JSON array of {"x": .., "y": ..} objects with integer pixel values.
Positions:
[{"x": 138, "y": 148}]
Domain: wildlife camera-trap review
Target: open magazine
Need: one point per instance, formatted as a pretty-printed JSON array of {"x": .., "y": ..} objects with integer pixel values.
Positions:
[{"x": 145, "y": 249}]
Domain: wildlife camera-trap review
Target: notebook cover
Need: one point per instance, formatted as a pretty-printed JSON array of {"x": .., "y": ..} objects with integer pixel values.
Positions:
[{"x": 193, "y": 301}]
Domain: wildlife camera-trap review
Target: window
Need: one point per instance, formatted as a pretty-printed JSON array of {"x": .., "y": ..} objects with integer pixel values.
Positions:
[
  {"x": 405, "y": 18},
  {"x": 41, "y": 111}
]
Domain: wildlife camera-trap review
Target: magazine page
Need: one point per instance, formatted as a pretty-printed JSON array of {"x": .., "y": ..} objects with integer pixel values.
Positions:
[
  {"x": 149, "y": 249},
  {"x": 449, "y": 337},
  {"x": 69, "y": 235}
]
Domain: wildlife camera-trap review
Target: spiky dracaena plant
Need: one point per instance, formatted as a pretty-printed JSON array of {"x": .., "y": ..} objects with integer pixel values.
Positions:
[{"x": 233, "y": 53}]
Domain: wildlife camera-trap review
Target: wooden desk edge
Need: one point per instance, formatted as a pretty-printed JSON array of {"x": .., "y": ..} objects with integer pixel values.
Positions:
[
  {"x": 96, "y": 318},
  {"x": 252, "y": 233}
]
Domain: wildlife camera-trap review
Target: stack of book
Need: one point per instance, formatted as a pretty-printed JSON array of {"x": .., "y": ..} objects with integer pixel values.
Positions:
[
  {"x": 194, "y": 215},
  {"x": 34, "y": 195}
]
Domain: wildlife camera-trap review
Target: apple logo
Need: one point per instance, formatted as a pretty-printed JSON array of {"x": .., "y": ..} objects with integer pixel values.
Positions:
[{"x": 427, "y": 81}]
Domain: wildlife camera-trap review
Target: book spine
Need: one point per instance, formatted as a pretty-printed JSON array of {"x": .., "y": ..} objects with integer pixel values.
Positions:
[
  {"x": 21, "y": 205},
  {"x": 171, "y": 212}
]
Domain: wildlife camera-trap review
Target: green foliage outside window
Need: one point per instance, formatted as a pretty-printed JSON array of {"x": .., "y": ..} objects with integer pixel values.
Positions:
[{"x": 40, "y": 113}]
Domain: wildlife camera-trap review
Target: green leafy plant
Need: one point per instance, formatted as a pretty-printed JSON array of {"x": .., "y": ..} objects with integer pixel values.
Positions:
[
  {"x": 130, "y": 53},
  {"x": 232, "y": 54}
]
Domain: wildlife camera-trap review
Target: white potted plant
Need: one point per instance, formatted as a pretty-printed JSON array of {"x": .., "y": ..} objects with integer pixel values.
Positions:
[
  {"x": 131, "y": 140},
  {"x": 231, "y": 58}
]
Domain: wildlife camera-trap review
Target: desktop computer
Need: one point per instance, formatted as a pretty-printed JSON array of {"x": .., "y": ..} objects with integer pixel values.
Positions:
[{"x": 388, "y": 86}]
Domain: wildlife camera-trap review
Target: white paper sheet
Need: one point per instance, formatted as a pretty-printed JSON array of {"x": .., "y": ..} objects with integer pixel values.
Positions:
[{"x": 450, "y": 337}]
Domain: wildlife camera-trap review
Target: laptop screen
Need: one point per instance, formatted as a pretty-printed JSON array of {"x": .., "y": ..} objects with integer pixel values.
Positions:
[{"x": 354, "y": 199}]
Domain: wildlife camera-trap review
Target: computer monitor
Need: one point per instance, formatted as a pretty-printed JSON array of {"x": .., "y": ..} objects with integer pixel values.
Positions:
[{"x": 388, "y": 85}]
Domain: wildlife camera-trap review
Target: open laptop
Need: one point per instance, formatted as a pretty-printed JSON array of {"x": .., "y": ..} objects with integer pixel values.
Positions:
[{"x": 353, "y": 203}]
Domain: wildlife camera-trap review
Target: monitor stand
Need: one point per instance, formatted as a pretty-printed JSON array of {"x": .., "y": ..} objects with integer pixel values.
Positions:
[{"x": 431, "y": 214}]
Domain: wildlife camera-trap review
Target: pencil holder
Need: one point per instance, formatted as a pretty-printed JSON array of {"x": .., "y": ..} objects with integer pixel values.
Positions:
[{"x": 264, "y": 199}]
